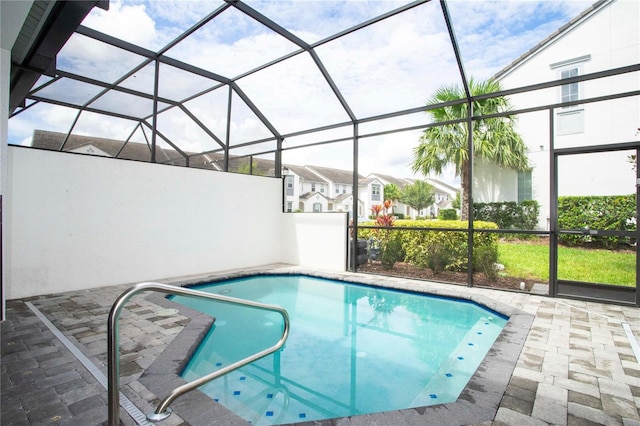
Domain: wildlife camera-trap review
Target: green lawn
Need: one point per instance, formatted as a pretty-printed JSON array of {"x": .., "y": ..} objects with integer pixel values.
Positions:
[{"x": 531, "y": 261}]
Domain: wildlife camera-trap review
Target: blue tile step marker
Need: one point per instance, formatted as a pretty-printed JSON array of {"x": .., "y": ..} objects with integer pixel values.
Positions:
[{"x": 450, "y": 378}]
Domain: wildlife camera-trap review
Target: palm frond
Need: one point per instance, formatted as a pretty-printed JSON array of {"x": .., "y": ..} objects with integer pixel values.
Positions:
[{"x": 494, "y": 139}]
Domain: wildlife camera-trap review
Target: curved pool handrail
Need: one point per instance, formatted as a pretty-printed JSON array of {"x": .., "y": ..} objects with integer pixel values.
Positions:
[{"x": 113, "y": 354}]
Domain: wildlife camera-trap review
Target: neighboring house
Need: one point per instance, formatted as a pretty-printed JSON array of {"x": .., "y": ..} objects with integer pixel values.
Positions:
[
  {"x": 91, "y": 145},
  {"x": 90, "y": 149},
  {"x": 333, "y": 184},
  {"x": 307, "y": 188},
  {"x": 444, "y": 196},
  {"x": 324, "y": 189},
  {"x": 370, "y": 193},
  {"x": 306, "y": 191},
  {"x": 603, "y": 37}
]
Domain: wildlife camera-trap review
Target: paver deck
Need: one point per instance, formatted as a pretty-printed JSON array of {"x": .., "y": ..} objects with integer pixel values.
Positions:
[{"x": 578, "y": 365}]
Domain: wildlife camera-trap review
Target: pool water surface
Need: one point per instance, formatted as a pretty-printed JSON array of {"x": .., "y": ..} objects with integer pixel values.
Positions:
[{"x": 352, "y": 349}]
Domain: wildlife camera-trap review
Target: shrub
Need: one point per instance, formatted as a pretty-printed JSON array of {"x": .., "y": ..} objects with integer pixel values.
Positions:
[
  {"x": 448, "y": 214},
  {"x": 391, "y": 250},
  {"x": 433, "y": 248},
  {"x": 429, "y": 248},
  {"x": 484, "y": 260},
  {"x": 615, "y": 212},
  {"x": 509, "y": 215},
  {"x": 438, "y": 257}
]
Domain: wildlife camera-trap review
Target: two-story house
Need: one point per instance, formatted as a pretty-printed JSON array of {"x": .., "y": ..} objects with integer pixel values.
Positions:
[
  {"x": 603, "y": 37},
  {"x": 324, "y": 189},
  {"x": 444, "y": 195}
]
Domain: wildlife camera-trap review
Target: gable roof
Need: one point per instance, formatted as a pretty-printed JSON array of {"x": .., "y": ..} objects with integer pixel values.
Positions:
[
  {"x": 585, "y": 15},
  {"x": 445, "y": 187},
  {"x": 340, "y": 198},
  {"x": 388, "y": 179},
  {"x": 334, "y": 175},
  {"x": 90, "y": 149},
  {"x": 52, "y": 141},
  {"x": 310, "y": 194},
  {"x": 304, "y": 173},
  {"x": 368, "y": 180}
]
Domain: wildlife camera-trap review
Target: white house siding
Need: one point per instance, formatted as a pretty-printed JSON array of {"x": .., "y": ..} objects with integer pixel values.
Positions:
[
  {"x": 494, "y": 184},
  {"x": 318, "y": 199},
  {"x": 608, "y": 38},
  {"x": 366, "y": 197}
]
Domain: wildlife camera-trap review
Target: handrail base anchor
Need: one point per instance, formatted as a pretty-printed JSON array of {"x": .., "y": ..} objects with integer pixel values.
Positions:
[{"x": 158, "y": 417}]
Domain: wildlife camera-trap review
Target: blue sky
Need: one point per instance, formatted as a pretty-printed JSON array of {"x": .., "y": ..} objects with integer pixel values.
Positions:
[{"x": 393, "y": 65}]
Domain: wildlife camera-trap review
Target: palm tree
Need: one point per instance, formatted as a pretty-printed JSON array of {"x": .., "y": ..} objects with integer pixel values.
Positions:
[{"x": 494, "y": 139}]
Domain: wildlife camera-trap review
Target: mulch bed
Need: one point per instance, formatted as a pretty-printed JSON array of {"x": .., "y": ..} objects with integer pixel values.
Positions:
[{"x": 406, "y": 270}]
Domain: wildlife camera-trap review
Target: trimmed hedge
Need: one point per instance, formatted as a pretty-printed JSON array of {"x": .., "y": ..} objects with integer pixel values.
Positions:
[
  {"x": 612, "y": 212},
  {"x": 509, "y": 215},
  {"x": 437, "y": 250},
  {"x": 448, "y": 214}
]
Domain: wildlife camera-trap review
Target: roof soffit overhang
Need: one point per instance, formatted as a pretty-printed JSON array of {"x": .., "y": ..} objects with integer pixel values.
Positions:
[{"x": 45, "y": 31}]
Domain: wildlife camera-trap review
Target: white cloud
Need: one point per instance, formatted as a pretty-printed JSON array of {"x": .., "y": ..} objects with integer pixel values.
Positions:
[
  {"x": 127, "y": 22},
  {"x": 491, "y": 34},
  {"x": 392, "y": 65}
]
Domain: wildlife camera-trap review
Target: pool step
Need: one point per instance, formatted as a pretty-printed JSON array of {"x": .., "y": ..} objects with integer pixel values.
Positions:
[
  {"x": 255, "y": 401},
  {"x": 451, "y": 377}
]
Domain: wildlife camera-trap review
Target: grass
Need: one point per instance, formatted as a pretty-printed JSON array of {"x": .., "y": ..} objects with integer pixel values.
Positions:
[{"x": 531, "y": 261}]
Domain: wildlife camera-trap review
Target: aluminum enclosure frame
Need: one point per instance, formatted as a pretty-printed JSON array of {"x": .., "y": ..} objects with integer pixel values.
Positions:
[{"x": 223, "y": 144}]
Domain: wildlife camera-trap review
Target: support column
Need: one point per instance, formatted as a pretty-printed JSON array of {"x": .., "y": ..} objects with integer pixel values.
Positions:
[{"x": 12, "y": 16}]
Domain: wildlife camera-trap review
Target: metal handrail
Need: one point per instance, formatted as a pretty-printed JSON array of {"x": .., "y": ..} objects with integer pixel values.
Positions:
[{"x": 113, "y": 355}]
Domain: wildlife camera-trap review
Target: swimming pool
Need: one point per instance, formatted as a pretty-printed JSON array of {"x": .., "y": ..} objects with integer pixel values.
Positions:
[{"x": 352, "y": 349}]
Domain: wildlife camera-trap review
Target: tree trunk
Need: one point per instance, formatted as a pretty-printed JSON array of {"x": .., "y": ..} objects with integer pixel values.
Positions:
[{"x": 465, "y": 184}]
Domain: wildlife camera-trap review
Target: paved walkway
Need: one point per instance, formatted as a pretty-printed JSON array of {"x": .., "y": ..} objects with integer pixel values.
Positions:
[{"x": 577, "y": 366}]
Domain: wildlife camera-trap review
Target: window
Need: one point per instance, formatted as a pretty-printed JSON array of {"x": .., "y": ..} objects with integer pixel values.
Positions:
[
  {"x": 317, "y": 207},
  {"x": 570, "y": 92},
  {"x": 289, "y": 206},
  {"x": 337, "y": 189},
  {"x": 313, "y": 187},
  {"x": 525, "y": 191},
  {"x": 570, "y": 121},
  {"x": 570, "y": 118},
  {"x": 322, "y": 188},
  {"x": 375, "y": 192},
  {"x": 289, "y": 185},
  {"x": 344, "y": 189}
]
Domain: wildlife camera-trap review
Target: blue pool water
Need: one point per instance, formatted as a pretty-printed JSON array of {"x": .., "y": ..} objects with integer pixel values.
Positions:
[{"x": 352, "y": 349}]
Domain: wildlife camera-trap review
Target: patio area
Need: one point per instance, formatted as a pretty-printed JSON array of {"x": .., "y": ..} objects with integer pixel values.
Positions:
[{"x": 578, "y": 365}]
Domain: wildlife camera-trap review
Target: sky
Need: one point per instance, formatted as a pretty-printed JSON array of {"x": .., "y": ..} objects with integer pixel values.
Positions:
[{"x": 390, "y": 66}]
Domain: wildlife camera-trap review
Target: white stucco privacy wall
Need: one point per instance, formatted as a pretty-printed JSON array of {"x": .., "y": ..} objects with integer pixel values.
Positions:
[
  {"x": 316, "y": 240},
  {"x": 77, "y": 222}
]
